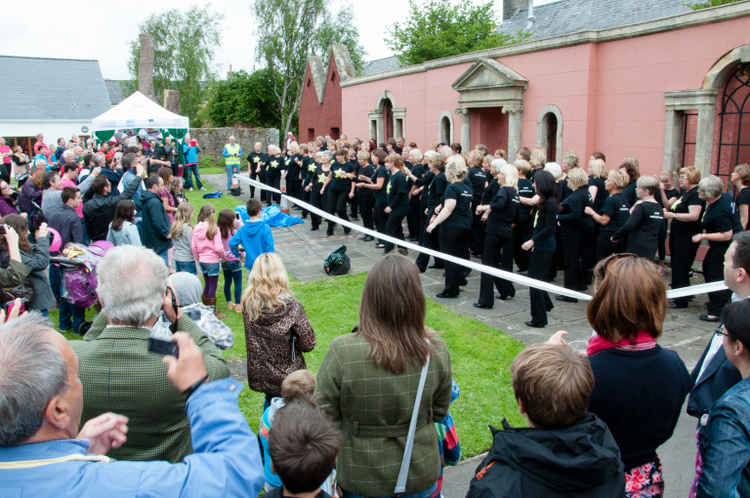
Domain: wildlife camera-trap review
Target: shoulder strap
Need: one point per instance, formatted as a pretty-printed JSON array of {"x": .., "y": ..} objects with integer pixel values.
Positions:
[
  {"x": 403, "y": 473},
  {"x": 28, "y": 464}
]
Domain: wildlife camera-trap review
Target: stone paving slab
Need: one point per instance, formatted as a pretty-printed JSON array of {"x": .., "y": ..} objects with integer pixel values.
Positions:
[{"x": 303, "y": 252}]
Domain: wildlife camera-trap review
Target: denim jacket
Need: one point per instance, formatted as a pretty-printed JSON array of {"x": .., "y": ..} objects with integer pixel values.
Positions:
[{"x": 725, "y": 446}]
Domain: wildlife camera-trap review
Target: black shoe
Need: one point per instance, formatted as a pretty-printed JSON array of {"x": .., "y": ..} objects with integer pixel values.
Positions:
[
  {"x": 566, "y": 299},
  {"x": 676, "y": 305},
  {"x": 387, "y": 249},
  {"x": 708, "y": 318},
  {"x": 482, "y": 306},
  {"x": 463, "y": 282},
  {"x": 421, "y": 269},
  {"x": 503, "y": 298},
  {"x": 313, "y": 229},
  {"x": 531, "y": 323},
  {"x": 436, "y": 267},
  {"x": 347, "y": 230},
  {"x": 329, "y": 233},
  {"x": 445, "y": 295},
  {"x": 549, "y": 308}
]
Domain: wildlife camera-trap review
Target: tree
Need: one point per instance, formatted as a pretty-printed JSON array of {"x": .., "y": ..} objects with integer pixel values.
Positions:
[
  {"x": 339, "y": 29},
  {"x": 441, "y": 28},
  {"x": 184, "y": 44},
  {"x": 244, "y": 99},
  {"x": 710, "y": 3}
]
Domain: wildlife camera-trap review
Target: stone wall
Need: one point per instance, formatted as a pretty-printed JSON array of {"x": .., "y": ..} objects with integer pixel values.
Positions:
[{"x": 212, "y": 140}]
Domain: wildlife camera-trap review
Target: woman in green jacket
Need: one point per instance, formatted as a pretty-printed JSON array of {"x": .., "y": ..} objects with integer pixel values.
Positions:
[{"x": 368, "y": 383}]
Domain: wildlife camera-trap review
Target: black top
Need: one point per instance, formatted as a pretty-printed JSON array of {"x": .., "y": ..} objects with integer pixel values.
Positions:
[
  {"x": 601, "y": 192},
  {"x": 339, "y": 183},
  {"x": 717, "y": 218},
  {"x": 293, "y": 165},
  {"x": 525, "y": 189},
  {"x": 461, "y": 215},
  {"x": 504, "y": 211},
  {"x": 743, "y": 198},
  {"x": 398, "y": 192},
  {"x": 571, "y": 215},
  {"x": 274, "y": 166},
  {"x": 476, "y": 178},
  {"x": 642, "y": 229},
  {"x": 686, "y": 228},
  {"x": 436, "y": 191},
  {"x": 308, "y": 170},
  {"x": 618, "y": 211},
  {"x": 424, "y": 181},
  {"x": 639, "y": 395},
  {"x": 368, "y": 171},
  {"x": 319, "y": 177},
  {"x": 490, "y": 191},
  {"x": 543, "y": 225},
  {"x": 628, "y": 193},
  {"x": 380, "y": 172},
  {"x": 563, "y": 190}
]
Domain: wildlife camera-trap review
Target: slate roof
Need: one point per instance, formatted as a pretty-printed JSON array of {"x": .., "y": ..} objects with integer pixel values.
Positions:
[
  {"x": 42, "y": 89},
  {"x": 572, "y": 16},
  {"x": 114, "y": 90},
  {"x": 378, "y": 66}
]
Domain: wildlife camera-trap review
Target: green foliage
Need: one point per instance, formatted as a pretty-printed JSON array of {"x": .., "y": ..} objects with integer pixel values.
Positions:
[
  {"x": 243, "y": 99},
  {"x": 184, "y": 44},
  {"x": 710, "y": 3},
  {"x": 440, "y": 28},
  {"x": 285, "y": 38},
  {"x": 339, "y": 29}
]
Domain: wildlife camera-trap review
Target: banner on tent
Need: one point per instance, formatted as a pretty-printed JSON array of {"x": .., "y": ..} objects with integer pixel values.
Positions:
[{"x": 495, "y": 272}]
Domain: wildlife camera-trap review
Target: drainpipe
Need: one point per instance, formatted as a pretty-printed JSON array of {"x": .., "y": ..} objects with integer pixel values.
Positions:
[{"x": 531, "y": 19}]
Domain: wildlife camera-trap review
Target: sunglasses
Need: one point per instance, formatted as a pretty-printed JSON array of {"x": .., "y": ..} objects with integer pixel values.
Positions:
[
  {"x": 721, "y": 330},
  {"x": 601, "y": 268}
]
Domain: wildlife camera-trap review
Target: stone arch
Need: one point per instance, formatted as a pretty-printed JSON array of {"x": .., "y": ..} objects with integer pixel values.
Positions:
[
  {"x": 716, "y": 76},
  {"x": 549, "y": 127},
  {"x": 445, "y": 128},
  {"x": 387, "y": 120}
]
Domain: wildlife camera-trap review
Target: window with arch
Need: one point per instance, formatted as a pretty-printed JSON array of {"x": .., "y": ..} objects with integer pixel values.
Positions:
[
  {"x": 549, "y": 132},
  {"x": 445, "y": 130},
  {"x": 734, "y": 121}
]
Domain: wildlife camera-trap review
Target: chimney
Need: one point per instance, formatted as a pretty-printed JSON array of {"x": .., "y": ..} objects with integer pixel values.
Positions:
[
  {"x": 511, "y": 7},
  {"x": 230, "y": 70},
  {"x": 146, "y": 66}
]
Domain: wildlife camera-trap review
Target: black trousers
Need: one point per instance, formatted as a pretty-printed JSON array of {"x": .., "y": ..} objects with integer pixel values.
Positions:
[
  {"x": 379, "y": 215},
  {"x": 394, "y": 225},
  {"x": 429, "y": 240},
  {"x": 572, "y": 241},
  {"x": 477, "y": 232},
  {"x": 254, "y": 176},
  {"x": 540, "y": 263},
  {"x": 497, "y": 253},
  {"x": 605, "y": 247},
  {"x": 366, "y": 202},
  {"x": 713, "y": 270},
  {"x": 682, "y": 250},
  {"x": 661, "y": 245},
  {"x": 353, "y": 204},
  {"x": 316, "y": 200},
  {"x": 275, "y": 182},
  {"x": 413, "y": 218},
  {"x": 454, "y": 241},
  {"x": 337, "y": 205},
  {"x": 521, "y": 233},
  {"x": 265, "y": 195}
]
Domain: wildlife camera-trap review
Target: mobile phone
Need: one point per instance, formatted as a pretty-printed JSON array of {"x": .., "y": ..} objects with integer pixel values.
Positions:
[
  {"x": 237, "y": 216},
  {"x": 162, "y": 347}
]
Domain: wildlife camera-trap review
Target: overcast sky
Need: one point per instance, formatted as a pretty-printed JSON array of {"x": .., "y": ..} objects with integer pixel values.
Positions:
[{"x": 78, "y": 29}]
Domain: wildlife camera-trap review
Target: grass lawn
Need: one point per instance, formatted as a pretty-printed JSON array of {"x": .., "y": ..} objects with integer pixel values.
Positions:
[{"x": 480, "y": 354}]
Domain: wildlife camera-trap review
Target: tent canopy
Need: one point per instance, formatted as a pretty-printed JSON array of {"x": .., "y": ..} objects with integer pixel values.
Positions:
[{"x": 138, "y": 111}]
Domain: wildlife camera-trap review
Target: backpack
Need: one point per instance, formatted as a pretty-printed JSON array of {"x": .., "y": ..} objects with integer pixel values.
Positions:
[{"x": 337, "y": 263}]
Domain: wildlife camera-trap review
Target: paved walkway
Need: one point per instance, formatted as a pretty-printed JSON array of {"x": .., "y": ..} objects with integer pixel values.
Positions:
[{"x": 303, "y": 252}]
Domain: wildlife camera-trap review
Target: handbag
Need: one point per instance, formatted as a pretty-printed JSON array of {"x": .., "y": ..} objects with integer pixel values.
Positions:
[{"x": 403, "y": 472}]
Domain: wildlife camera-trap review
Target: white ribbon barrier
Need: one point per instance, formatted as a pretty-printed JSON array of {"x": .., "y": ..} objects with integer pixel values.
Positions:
[{"x": 495, "y": 272}]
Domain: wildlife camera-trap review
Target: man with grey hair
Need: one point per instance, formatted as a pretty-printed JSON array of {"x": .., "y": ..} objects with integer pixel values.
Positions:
[
  {"x": 43, "y": 453},
  {"x": 117, "y": 370},
  {"x": 232, "y": 154}
]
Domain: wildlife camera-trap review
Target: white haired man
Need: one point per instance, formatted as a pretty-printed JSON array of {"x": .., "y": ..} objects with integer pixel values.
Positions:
[
  {"x": 232, "y": 154},
  {"x": 43, "y": 453},
  {"x": 117, "y": 370}
]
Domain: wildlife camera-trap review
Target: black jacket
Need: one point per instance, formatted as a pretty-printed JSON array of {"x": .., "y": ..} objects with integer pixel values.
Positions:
[
  {"x": 155, "y": 223},
  {"x": 578, "y": 461},
  {"x": 100, "y": 211}
]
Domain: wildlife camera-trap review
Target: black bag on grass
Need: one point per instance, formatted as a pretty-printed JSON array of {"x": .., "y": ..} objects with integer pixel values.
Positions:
[{"x": 337, "y": 263}]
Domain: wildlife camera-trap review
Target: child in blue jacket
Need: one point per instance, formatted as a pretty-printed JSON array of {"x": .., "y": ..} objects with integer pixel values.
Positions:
[{"x": 255, "y": 237}]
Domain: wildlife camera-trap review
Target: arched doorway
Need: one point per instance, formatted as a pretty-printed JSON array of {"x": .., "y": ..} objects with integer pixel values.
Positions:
[
  {"x": 446, "y": 133},
  {"x": 550, "y": 126},
  {"x": 734, "y": 121},
  {"x": 387, "y": 110}
]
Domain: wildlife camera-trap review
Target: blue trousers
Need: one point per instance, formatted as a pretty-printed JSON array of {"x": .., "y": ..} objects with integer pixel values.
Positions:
[
  {"x": 70, "y": 314},
  {"x": 232, "y": 275},
  {"x": 231, "y": 169},
  {"x": 192, "y": 168}
]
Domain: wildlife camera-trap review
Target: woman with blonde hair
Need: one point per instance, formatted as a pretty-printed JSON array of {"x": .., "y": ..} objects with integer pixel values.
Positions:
[
  {"x": 740, "y": 178},
  {"x": 500, "y": 215},
  {"x": 573, "y": 227},
  {"x": 277, "y": 330},
  {"x": 208, "y": 252},
  {"x": 181, "y": 234},
  {"x": 613, "y": 214},
  {"x": 645, "y": 222},
  {"x": 368, "y": 384}
]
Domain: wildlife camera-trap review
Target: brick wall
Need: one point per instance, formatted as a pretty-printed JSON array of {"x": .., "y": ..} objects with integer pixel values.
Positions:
[{"x": 212, "y": 140}]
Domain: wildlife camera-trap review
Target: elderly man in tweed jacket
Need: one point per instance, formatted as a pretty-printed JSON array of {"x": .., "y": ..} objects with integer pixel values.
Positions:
[{"x": 118, "y": 372}]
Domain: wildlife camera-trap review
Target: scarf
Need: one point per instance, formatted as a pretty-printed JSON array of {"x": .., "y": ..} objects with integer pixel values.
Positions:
[{"x": 642, "y": 341}]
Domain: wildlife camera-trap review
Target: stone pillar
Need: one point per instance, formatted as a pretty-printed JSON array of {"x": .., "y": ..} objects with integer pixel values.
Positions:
[
  {"x": 465, "y": 128},
  {"x": 172, "y": 100},
  {"x": 704, "y": 138},
  {"x": 515, "y": 127},
  {"x": 381, "y": 128},
  {"x": 673, "y": 140},
  {"x": 146, "y": 66}
]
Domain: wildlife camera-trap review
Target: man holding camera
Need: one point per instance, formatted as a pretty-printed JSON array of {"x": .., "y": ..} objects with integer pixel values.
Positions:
[
  {"x": 43, "y": 453},
  {"x": 118, "y": 371}
]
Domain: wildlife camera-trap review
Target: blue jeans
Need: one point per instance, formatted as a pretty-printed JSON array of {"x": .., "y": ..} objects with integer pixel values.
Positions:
[
  {"x": 232, "y": 274},
  {"x": 188, "y": 266},
  {"x": 192, "y": 168},
  {"x": 231, "y": 169},
  {"x": 165, "y": 256},
  {"x": 420, "y": 494},
  {"x": 70, "y": 314}
]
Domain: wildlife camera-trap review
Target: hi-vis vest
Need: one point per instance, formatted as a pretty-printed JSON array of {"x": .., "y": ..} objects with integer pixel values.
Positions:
[{"x": 232, "y": 150}]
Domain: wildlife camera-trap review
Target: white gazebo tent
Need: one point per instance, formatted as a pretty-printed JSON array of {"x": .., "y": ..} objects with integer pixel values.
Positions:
[{"x": 138, "y": 111}]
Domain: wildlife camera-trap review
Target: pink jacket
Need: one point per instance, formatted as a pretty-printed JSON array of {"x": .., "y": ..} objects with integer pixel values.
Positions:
[
  {"x": 70, "y": 183},
  {"x": 205, "y": 250}
]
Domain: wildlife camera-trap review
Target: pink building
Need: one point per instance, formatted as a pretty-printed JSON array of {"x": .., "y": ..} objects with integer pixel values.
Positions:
[{"x": 654, "y": 80}]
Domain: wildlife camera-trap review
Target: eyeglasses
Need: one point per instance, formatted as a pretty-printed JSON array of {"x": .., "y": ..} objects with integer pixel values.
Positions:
[
  {"x": 721, "y": 330},
  {"x": 601, "y": 268}
]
